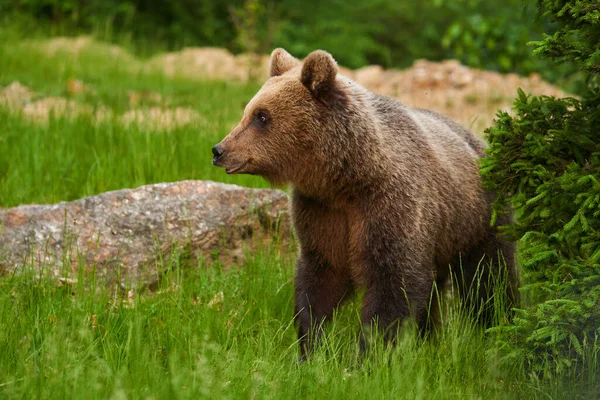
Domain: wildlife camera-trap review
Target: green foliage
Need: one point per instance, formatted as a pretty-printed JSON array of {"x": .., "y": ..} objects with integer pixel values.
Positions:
[
  {"x": 389, "y": 33},
  {"x": 579, "y": 36},
  {"x": 175, "y": 23},
  {"x": 483, "y": 34},
  {"x": 255, "y": 24},
  {"x": 544, "y": 162}
]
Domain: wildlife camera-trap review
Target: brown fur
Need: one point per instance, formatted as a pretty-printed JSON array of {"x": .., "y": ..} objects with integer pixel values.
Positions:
[{"x": 385, "y": 197}]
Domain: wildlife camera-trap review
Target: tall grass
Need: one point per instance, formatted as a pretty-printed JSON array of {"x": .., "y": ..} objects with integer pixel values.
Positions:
[
  {"x": 207, "y": 331},
  {"x": 70, "y": 158}
]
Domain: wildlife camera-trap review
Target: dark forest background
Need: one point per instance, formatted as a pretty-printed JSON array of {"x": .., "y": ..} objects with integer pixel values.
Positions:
[{"x": 479, "y": 33}]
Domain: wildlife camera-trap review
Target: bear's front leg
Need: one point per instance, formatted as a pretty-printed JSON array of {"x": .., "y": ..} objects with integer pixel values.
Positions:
[
  {"x": 319, "y": 290},
  {"x": 398, "y": 281}
]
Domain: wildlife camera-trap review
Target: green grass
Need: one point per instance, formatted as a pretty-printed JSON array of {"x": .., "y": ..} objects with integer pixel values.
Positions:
[
  {"x": 68, "y": 159},
  {"x": 86, "y": 341}
]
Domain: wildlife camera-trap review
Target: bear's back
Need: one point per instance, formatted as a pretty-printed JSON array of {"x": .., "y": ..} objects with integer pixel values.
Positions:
[
  {"x": 415, "y": 133},
  {"x": 435, "y": 165},
  {"x": 463, "y": 133}
]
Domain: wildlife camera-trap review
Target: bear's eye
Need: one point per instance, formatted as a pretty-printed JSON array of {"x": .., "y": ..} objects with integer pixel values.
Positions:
[{"x": 261, "y": 117}]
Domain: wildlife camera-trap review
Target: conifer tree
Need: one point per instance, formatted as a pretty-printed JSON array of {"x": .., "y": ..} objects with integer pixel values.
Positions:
[{"x": 544, "y": 163}]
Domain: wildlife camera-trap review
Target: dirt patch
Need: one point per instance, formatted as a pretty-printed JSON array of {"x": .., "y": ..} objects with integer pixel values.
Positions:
[
  {"x": 41, "y": 110},
  {"x": 468, "y": 95},
  {"x": 76, "y": 46},
  {"x": 67, "y": 45},
  {"x": 157, "y": 118},
  {"x": 19, "y": 98},
  {"x": 15, "y": 96},
  {"x": 211, "y": 63},
  {"x": 75, "y": 87},
  {"x": 146, "y": 97},
  {"x": 256, "y": 65}
]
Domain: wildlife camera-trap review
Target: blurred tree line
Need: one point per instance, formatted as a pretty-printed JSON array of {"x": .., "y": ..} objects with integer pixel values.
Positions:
[{"x": 479, "y": 33}]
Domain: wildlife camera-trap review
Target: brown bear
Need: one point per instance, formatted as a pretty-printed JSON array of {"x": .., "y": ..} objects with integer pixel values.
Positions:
[{"x": 385, "y": 198}]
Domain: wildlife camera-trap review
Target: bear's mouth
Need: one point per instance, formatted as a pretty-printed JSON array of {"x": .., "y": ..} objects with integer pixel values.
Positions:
[{"x": 237, "y": 169}]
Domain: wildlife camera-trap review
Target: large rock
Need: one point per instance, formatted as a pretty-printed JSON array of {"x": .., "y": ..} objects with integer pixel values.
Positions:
[{"x": 123, "y": 233}]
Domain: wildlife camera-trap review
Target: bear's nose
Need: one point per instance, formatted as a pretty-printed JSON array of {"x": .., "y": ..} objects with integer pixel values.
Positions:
[{"x": 217, "y": 151}]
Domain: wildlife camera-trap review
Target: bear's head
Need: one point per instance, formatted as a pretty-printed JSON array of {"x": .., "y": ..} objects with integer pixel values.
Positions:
[{"x": 283, "y": 133}]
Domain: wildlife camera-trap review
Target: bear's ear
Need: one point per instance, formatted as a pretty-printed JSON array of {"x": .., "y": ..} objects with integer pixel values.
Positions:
[
  {"x": 319, "y": 72},
  {"x": 281, "y": 62}
]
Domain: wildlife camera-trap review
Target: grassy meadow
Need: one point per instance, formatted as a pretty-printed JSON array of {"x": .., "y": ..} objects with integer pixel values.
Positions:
[
  {"x": 68, "y": 158},
  {"x": 206, "y": 332}
]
